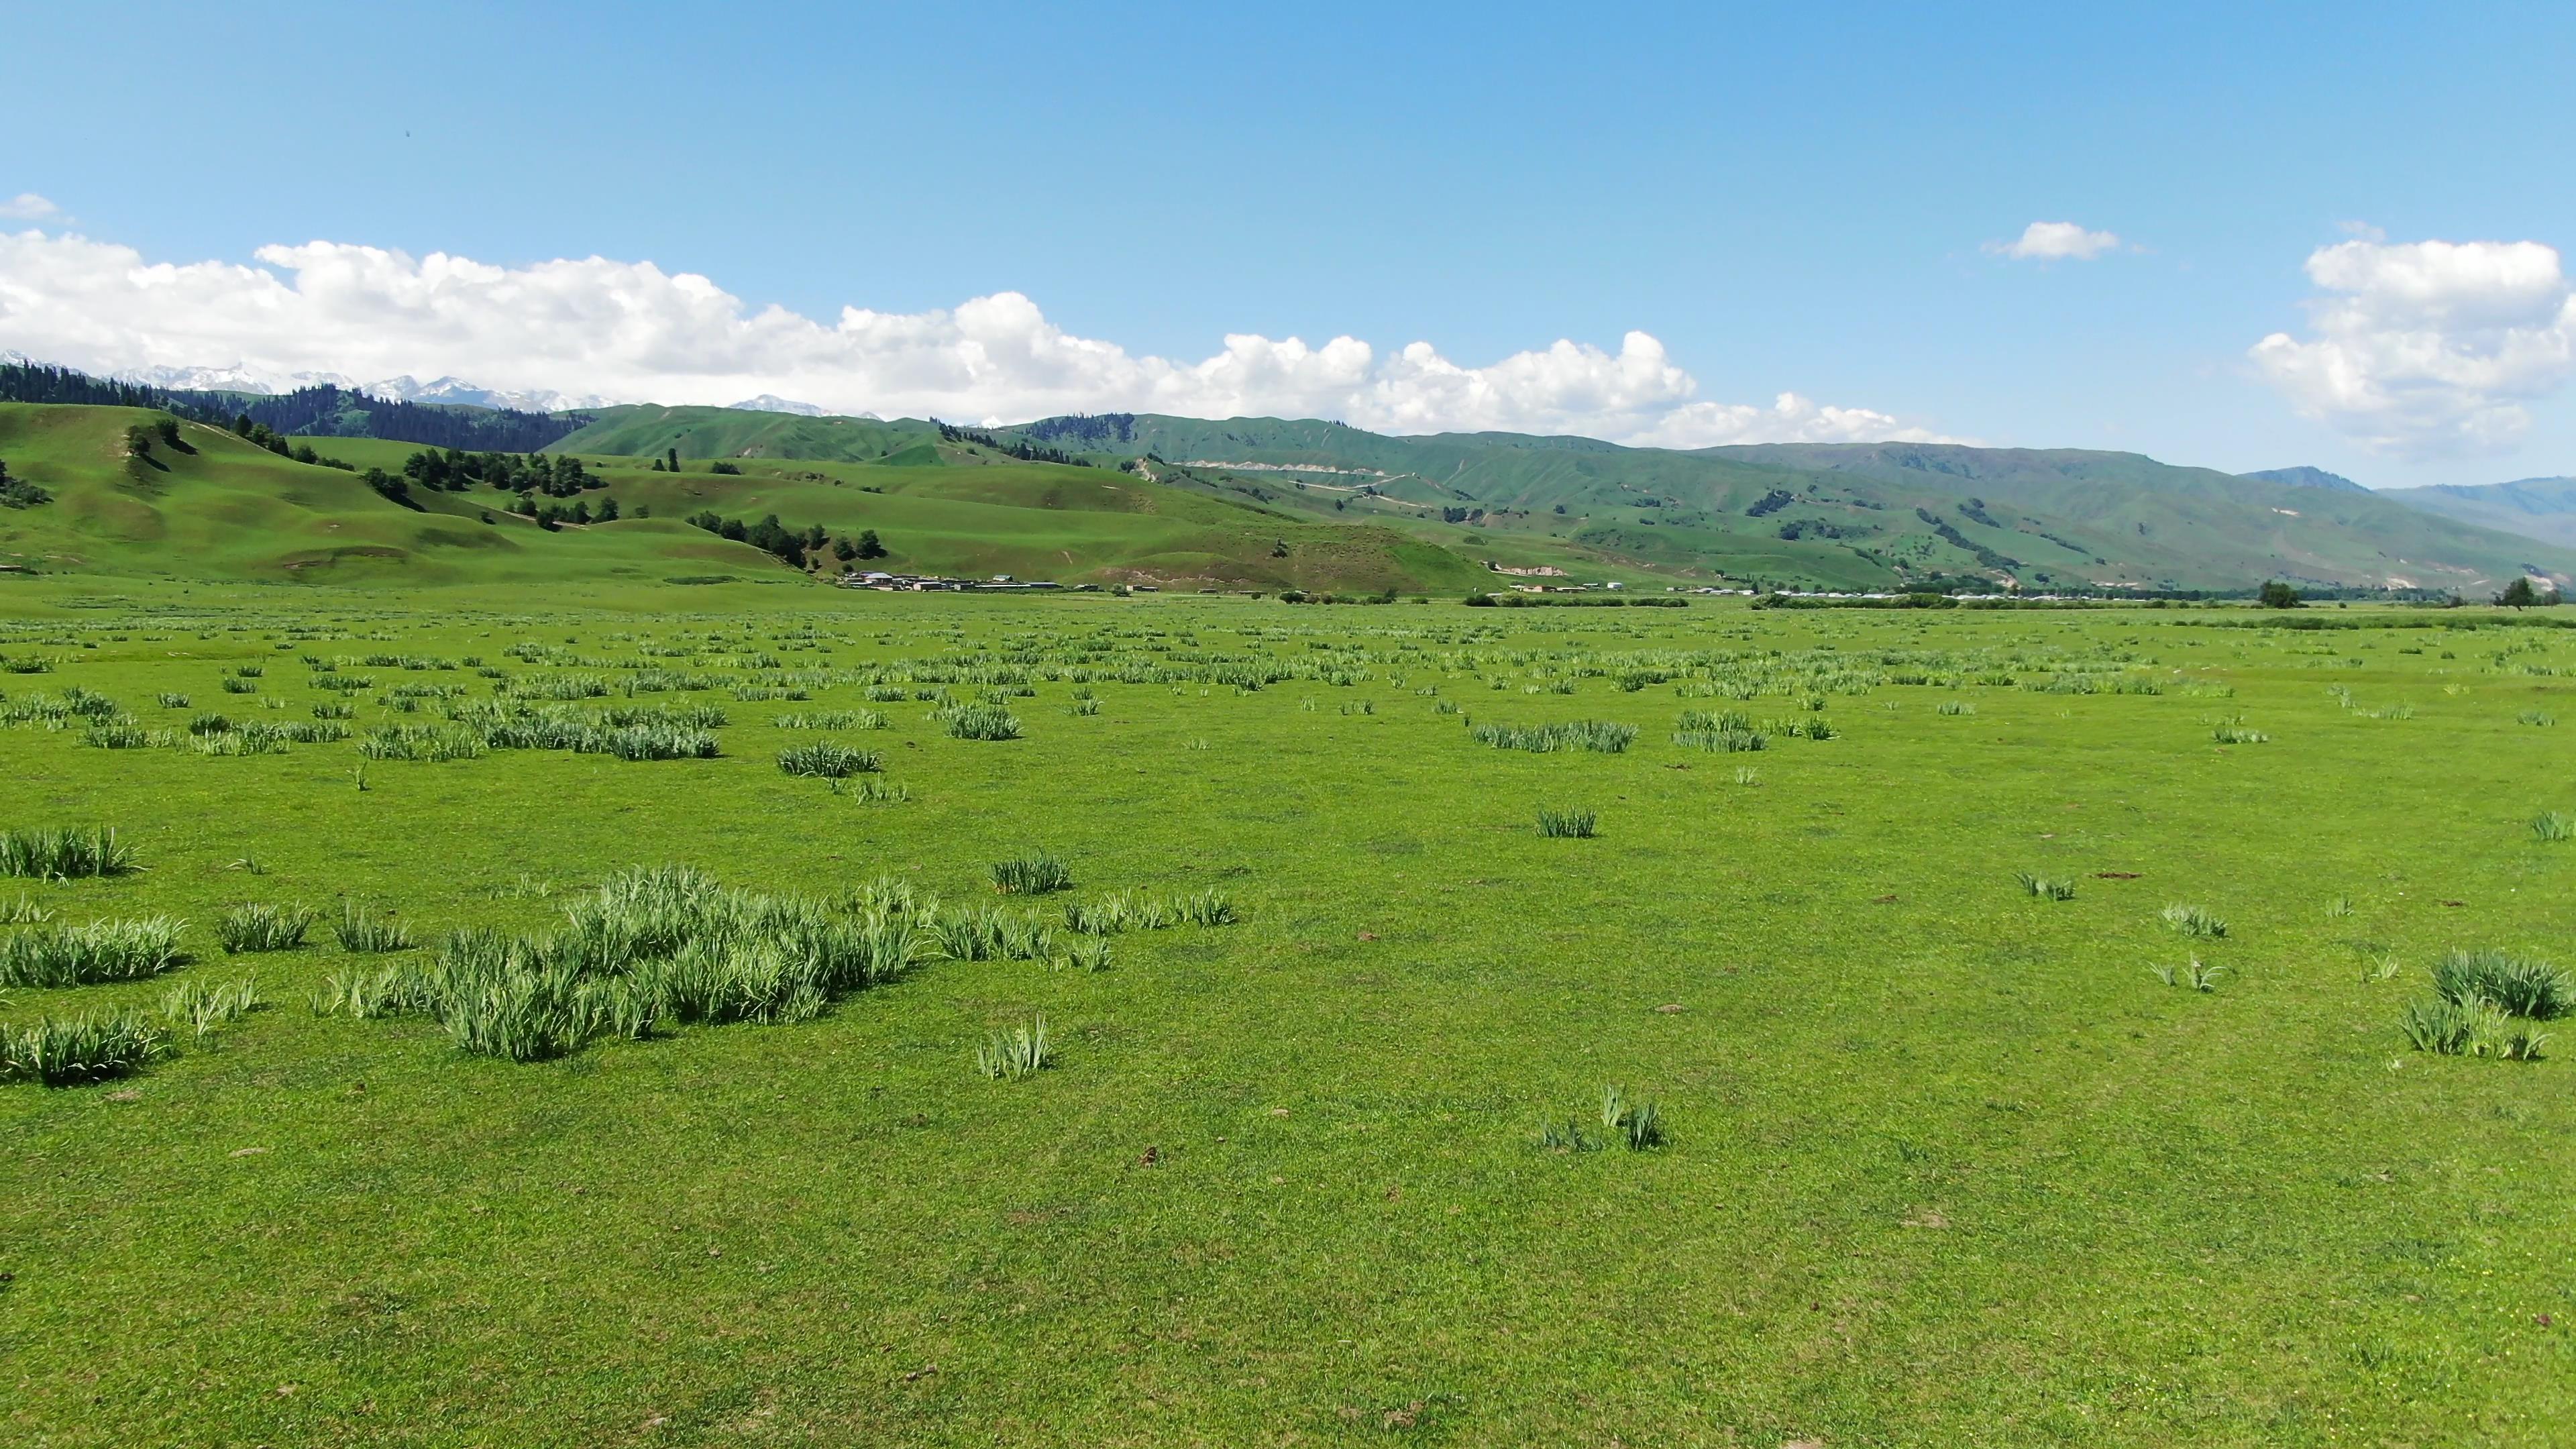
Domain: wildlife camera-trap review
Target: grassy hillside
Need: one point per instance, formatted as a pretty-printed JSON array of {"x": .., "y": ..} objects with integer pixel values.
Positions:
[
  {"x": 650, "y": 432},
  {"x": 1865, "y": 516},
  {"x": 2541, "y": 508},
  {"x": 227, "y": 510},
  {"x": 223, "y": 509}
]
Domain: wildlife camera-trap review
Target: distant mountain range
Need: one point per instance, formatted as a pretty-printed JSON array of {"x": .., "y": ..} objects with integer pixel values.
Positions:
[
  {"x": 2542, "y": 508},
  {"x": 2307, "y": 478}
]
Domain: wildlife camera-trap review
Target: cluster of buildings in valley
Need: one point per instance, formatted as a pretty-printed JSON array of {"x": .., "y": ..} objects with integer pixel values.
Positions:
[{"x": 934, "y": 583}]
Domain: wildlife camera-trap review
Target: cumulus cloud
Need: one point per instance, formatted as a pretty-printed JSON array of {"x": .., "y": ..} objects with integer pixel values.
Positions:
[
  {"x": 28, "y": 206},
  {"x": 630, "y": 330},
  {"x": 2429, "y": 349},
  {"x": 2055, "y": 241}
]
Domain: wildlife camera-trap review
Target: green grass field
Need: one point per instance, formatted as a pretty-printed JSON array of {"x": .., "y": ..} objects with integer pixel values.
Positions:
[{"x": 1946, "y": 1160}]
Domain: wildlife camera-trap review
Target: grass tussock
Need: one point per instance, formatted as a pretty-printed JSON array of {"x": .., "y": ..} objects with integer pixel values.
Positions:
[
  {"x": 247, "y": 929},
  {"x": 101, "y": 951},
  {"x": 203, "y": 1007},
  {"x": 1598, "y": 736},
  {"x": 648, "y": 948},
  {"x": 362, "y": 932},
  {"x": 2193, "y": 921},
  {"x": 2050, "y": 888},
  {"x": 2518, "y": 985},
  {"x": 1020, "y": 1052},
  {"x": 63, "y": 1051},
  {"x": 1034, "y": 874},
  {"x": 41, "y": 854},
  {"x": 823, "y": 759},
  {"x": 977, "y": 721},
  {"x": 1567, "y": 824},
  {"x": 2553, "y": 826}
]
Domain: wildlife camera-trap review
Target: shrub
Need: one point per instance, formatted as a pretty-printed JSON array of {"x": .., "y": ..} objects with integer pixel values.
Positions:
[
  {"x": 99, "y": 951},
  {"x": 1568, "y": 824},
  {"x": 362, "y": 932},
  {"x": 977, "y": 722},
  {"x": 2193, "y": 921},
  {"x": 1031, "y": 875},
  {"x": 828, "y": 760},
  {"x": 63, "y": 1051},
  {"x": 64, "y": 854},
  {"x": 2516, "y": 985},
  {"x": 250, "y": 928},
  {"x": 1021, "y": 1052},
  {"x": 2045, "y": 886}
]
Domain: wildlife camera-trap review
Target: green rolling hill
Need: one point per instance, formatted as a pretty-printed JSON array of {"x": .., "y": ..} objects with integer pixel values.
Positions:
[
  {"x": 2541, "y": 508},
  {"x": 220, "y": 508}
]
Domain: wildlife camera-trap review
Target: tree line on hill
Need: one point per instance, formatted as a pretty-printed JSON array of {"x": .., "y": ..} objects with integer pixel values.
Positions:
[
  {"x": 790, "y": 545},
  {"x": 314, "y": 411},
  {"x": 1020, "y": 448}
]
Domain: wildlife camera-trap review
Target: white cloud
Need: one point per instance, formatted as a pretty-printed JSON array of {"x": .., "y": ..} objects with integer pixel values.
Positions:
[
  {"x": 2052, "y": 241},
  {"x": 28, "y": 206},
  {"x": 630, "y": 330},
  {"x": 2429, "y": 349}
]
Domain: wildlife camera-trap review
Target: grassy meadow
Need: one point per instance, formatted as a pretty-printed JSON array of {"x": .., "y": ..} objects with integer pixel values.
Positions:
[{"x": 2006, "y": 1011}]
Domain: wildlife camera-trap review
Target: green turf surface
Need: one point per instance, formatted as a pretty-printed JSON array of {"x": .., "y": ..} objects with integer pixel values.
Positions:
[{"x": 1948, "y": 1164}]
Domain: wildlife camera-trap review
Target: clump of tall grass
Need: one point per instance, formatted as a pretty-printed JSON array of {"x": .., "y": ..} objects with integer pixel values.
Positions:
[
  {"x": 126, "y": 734},
  {"x": 363, "y": 932},
  {"x": 1084, "y": 706},
  {"x": 2234, "y": 731},
  {"x": 1021, "y": 1052},
  {"x": 260, "y": 927},
  {"x": 99, "y": 951},
  {"x": 64, "y": 1051},
  {"x": 832, "y": 719},
  {"x": 167, "y": 700},
  {"x": 2517, "y": 985},
  {"x": 1722, "y": 742},
  {"x": 2193, "y": 921},
  {"x": 985, "y": 934},
  {"x": 870, "y": 790},
  {"x": 976, "y": 721},
  {"x": 2553, "y": 826},
  {"x": 1086, "y": 953},
  {"x": 430, "y": 744},
  {"x": 648, "y": 947},
  {"x": 1208, "y": 908},
  {"x": 201, "y": 1006},
  {"x": 2475, "y": 1029},
  {"x": 24, "y": 911},
  {"x": 1954, "y": 707},
  {"x": 2047, "y": 887},
  {"x": 1031, "y": 875},
  {"x": 827, "y": 760},
  {"x": 329, "y": 709},
  {"x": 42, "y": 854},
  {"x": 1567, "y": 824},
  {"x": 238, "y": 686},
  {"x": 1600, "y": 736}
]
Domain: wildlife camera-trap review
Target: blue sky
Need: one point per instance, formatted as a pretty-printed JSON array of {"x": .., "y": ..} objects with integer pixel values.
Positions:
[{"x": 1786, "y": 198}]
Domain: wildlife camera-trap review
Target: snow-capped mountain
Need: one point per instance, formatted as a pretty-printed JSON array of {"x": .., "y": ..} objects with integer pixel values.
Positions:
[
  {"x": 770, "y": 402},
  {"x": 457, "y": 390},
  {"x": 240, "y": 377}
]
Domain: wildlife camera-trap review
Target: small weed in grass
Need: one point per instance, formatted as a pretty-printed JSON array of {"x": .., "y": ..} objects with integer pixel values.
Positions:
[
  {"x": 65, "y": 1051},
  {"x": 1747, "y": 775},
  {"x": 2046, "y": 887},
  {"x": 24, "y": 911},
  {"x": 1021, "y": 1052},
  {"x": 64, "y": 854},
  {"x": 2538, "y": 717},
  {"x": 1087, "y": 953},
  {"x": 2554, "y": 826},
  {"x": 2203, "y": 976},
  {"x": 252, "y": 928},
  {"x": 1567, "y": 824},
  {"x": 1567, "y": 1136},
  {"x": 363, "y": 932},
  {"x": 1208, "y": 908},
  {"x": 2339, "y": 907},
  {"x": 2193, "y": 921},
  {"x": 1638, "y": 1126},
  {"x": 1031, "y": 875},
  {"x": 171, "y": 701},
  {"x": 2234, "y": 731},
  {"x": 1954, "y": 706}
]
